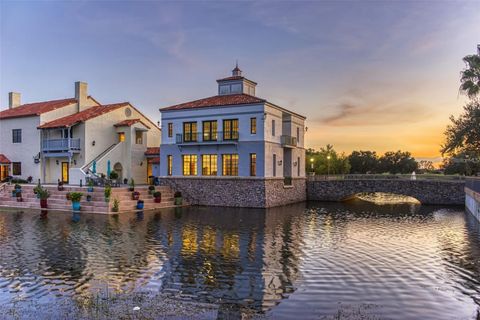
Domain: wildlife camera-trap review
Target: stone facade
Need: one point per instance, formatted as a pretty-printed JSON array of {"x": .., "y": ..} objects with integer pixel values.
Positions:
[
  {"x": 426, "y": 191},
  {"x": 238, "y": 191}
]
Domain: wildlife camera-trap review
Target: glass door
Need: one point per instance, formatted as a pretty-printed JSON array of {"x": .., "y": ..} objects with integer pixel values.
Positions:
[{"x": 65, "y": 167}]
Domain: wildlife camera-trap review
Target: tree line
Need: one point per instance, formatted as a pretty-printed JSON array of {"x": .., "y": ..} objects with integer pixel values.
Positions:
[{"x": 329, "y": 161}]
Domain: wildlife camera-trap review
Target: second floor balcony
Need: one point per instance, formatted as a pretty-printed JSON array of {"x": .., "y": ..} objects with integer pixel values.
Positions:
[
  {"x": 61, "y": 145},
  {"x": 288, "y": 141},
  {"x": 226, "y": 137}
]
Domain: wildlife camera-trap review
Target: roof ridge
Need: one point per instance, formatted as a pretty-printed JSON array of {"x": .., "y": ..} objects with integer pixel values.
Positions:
[{"x": 217, "y": 101}]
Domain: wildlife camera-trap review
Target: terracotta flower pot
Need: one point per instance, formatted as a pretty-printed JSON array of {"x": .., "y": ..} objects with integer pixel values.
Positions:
[{"x": 43, "y": 203}]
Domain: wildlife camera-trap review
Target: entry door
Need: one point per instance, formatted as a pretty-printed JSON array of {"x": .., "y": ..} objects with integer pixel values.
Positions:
[
  {"x": 65, "y": 167},
  {"x": 149, "y": 171},
  {"x": 3, "y": 172}
]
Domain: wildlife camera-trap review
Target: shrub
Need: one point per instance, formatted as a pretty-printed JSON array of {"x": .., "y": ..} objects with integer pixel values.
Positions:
[
  {"x": 90, "y": 183},
  {"x": 43, "y": 193},
  {"x": 157, "y": 194},
  {"x": 113, "y": 175},
  {"x": 76, "y": 196},
  {"x": 151, "y": 188},
  {"x": 18, "y": 180},
  {"x": 116, "y": 204},
  {"x": 108, "y": 191}
]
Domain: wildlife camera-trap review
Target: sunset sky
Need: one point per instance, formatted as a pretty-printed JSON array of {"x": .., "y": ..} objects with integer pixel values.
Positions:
[{"x": 368, "y": 75}]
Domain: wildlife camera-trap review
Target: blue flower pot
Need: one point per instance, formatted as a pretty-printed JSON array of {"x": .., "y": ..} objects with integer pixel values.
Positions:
[
  {"x": 14, "y": 193},
  {"x": 90, "y": 189},
  {"x": 140, "y": 205},
  {"x": 76, "y": 206}
]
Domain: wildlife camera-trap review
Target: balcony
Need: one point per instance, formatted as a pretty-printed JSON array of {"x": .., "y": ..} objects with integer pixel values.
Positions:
[
  {"x": 197, "y": 138},
  {"x": 60, "y": 147},
  {"x": 288, "y": 141}
]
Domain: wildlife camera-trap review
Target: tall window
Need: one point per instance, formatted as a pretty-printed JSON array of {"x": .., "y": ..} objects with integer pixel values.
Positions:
[
  {"x": 17, "y": 135},
  {"x": 189, "y": 131},
  {"x": 210, "y": 130},
  {"x": 170, "y": 129},
  {"x": 253, "y": 164},
  {"x": 230, "y": 129},
  {"x": 274, "y": 165},
  {"x": 230, "y": 164},
  {"x": 298, "y": 166},
  {"x": 273, "y": 128},
  {"x": 138, "y": 137},
  {"x": 298, "y": 134},
  {"x": 121, "y": 136},
  {"x": 17, "y": 168},
  {"x": 169, "y": 164},
  {"x": 209, "y": 164},
  {"x": 253, "y": 125},
  {"x": 189, "y": 164}
]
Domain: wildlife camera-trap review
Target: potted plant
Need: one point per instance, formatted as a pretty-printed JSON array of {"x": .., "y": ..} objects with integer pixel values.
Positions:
[
  {"x": 107, "y": 192},
  {"x": 125, "y": 181},
  {"x": 43, "y": 195},
  {"x": 89, "y": 197},
  {"x": 90, "y": 185},
  {"x": 29, "y": 179},
  {"x": 113, "y": 175},
  {"x": 151, "y": 189},
  {"x": 18, "y": 187},
  {"x": 132, "y": 185},
  {"x": 140, "y": 204},
  {"x": 18, "y": 194},
  {"x": 178, "y": 198},
  {"x": 157, "y": 196},
  {"x": 14, "y": 193},
  {"x": 67, "y": 196},
  {"x": 116, "y": 205},
  {"x": 19, "y": 199},
  {"x": 135, "y": 195},
  {"x": 60, "y": 186},
  {"x": 37, "y": 189},
  {"x": 75, "y": 197}
]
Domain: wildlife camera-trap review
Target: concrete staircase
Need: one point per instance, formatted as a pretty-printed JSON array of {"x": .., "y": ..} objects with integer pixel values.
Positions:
[{"x": 59, "y": 202}]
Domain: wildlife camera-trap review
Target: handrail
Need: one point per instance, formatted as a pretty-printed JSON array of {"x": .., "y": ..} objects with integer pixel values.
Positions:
[
  {"x": 207, "y": 137},
  {"x": 387, "y": 177},
  {"x": 100, "y": 156},
  {"x": 3, "y": 186}
]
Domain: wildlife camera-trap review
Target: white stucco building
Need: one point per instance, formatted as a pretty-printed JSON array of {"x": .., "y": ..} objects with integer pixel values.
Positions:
[
  {"x": 234, "y": 133},
  {"x": 60, "y": 139}
]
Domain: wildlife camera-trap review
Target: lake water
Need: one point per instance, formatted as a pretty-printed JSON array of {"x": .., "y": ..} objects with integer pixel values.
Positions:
[{"x": 354, "y": 260}]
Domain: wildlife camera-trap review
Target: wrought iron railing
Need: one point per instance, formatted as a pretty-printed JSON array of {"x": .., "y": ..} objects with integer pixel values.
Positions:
[
  {"x": 60, "y": 144},
  {"x": 288, "y": 141},
  {"x": 207, "y": 137}
]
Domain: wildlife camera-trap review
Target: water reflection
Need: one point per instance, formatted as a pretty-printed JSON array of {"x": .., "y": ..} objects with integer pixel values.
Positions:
[{"x": 300, "y": 261}]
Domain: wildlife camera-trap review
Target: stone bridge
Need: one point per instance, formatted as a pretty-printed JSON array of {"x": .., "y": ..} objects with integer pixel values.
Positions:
[{"x": 427, "y": 191}]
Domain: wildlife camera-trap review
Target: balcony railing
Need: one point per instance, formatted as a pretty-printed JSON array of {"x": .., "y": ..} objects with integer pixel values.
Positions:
[
  {"x": 60, "y": 145},
  {"x": 288, "y": 141},
  {"x": 207, "y": 137}
]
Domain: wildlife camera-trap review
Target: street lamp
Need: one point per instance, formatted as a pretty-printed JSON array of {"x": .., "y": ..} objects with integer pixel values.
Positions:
[{"x": 328, "y": 165}]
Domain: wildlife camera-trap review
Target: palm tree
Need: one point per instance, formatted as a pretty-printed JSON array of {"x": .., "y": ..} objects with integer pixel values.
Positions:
[{"x": 471, "y": 75}]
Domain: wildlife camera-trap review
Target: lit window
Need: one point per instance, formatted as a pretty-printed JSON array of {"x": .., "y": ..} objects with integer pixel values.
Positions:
[
  {"x": 139, "y": 137},
  {"x": 189, "y": 164},
  {"x": 170, "y": 129},
  {"x": 253, "y": 125},
  {"x": 230, "y": 129},
  {"x": 17, "y": 135},
  {"x": 17, "y": 168},
  {"x": 189, "y": 131},
  {"x": 209, "y": 164},
  {"x": 210, "y": 130},
  {"x": 169, "y": 164},
  {"x": 121, "y": 136},
  {"x": 253, "y": 164},
  {"x": 230, "y": 164}
]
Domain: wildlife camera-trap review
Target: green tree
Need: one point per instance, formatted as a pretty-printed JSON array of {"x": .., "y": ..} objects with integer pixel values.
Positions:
[
  {"x": 470, "y": 76},
  {"x": 326, "y": 161},
  {"x": 363, "y": 162},
  {"x": 426, "y": 166},
  {"x": 397, "y": 162},
  {"x": 463, "y": 163}
]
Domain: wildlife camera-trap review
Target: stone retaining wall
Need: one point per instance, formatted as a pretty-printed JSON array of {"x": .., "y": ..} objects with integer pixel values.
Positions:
[
  {"x": 426, "y": 191},
  {"x": 238, "y": 191}
]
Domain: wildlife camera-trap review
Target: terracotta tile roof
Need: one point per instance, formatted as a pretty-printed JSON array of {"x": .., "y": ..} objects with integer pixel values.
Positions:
[
  {"x": 4, "y": 159},
  {"x": 235, "y": 78},
  {"x": 154, "y": 160},
  {"x": 35, "y": 109},
  {"x": 129, "y": 123},
  {"x": 85, "y": 115},
  {"x": 152, "y": 151},
  {"x": 217, "y": 101}
]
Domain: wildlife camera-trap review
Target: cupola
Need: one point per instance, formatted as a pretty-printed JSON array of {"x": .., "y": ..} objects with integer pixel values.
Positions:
[{"x": 236, "y": 84}]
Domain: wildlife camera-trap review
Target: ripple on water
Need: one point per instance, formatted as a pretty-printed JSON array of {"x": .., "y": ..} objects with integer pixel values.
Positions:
[{"x": 312, "y": 261}]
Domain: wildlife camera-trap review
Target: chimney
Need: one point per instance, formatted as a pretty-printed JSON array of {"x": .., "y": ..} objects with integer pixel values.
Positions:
[
  {"x": 81, "y": 95},
  {"x": 13, "y": 100}
]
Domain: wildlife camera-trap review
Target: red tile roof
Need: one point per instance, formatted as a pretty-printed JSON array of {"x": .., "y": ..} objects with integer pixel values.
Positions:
[
  {"x": 85, "y": 115},
  {"x": 129, "y": 123},
  {"x": 217, "y": 101},
  {"x": 35, "y": 109},
  {"x": 235, "y": 78},
  {"x": 152, "y": 151},
  {"x": 4, "y": 159},
  {"x": 155, "y": 160}
]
